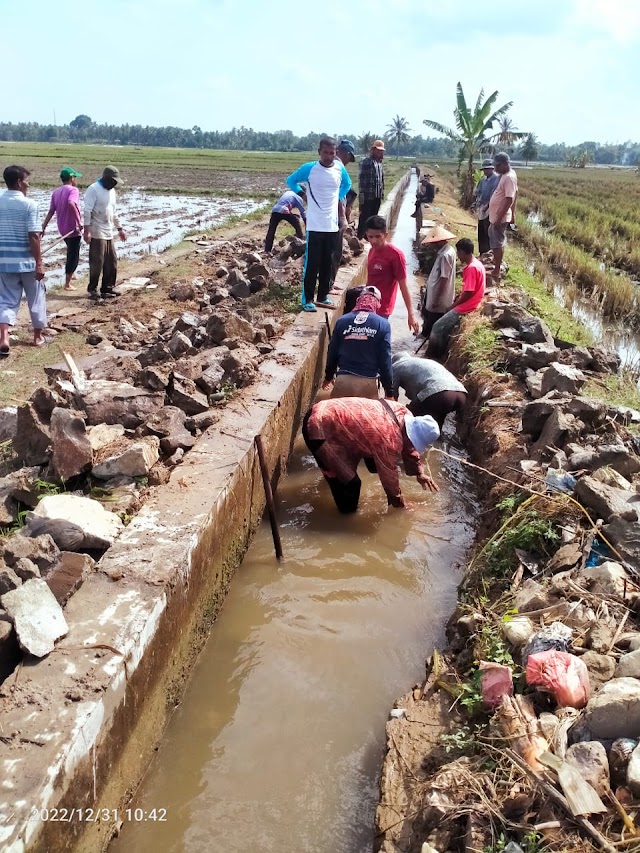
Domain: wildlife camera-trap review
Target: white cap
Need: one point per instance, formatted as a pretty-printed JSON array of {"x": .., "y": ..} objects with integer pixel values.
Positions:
[{"x": 422, "y": 431}]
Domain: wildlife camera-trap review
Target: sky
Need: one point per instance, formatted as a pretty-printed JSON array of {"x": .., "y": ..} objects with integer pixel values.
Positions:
[{"x": 570, "y": 66}]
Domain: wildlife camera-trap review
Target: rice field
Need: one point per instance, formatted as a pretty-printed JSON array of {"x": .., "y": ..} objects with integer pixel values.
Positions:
[{"x": 586, "y": 225}]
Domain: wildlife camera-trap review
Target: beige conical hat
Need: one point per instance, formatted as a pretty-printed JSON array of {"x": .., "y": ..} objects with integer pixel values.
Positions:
[{"x": 437, "y": 234}]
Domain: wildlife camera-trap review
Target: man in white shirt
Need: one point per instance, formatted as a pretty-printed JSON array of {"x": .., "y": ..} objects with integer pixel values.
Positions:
[
  {"x": 327, "y": 183},
  {"x": 100, "y": 224},
  {"x": 502, "y": 206}
]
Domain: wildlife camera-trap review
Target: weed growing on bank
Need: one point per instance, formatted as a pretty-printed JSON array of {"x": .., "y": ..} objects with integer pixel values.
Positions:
[{"x": 481, "y": 346}]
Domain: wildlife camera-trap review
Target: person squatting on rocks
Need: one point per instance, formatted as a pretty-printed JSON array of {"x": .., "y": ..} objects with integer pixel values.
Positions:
[
  {"x": 387, "y": 270},
  {"x": 100, "y": 217},
  {"x": 502, "y": 210},
  {"x": 340, "y": 433},
  {"x": 283, "y": 210},
  {"x": 370, "y": 185},
  {"x": 430, "y": 387},
  {"x": 65, "y": 205},
  {"x": 345, "y": 152},
  {"x": 469, "y": 299},
  {"x": 21, "y": 269},
  {"x": 481, "y": 198},
  {"x": 360, "y": 351},
  {"x": 425, "y": 193},
  {"x": 327, "y": 184},
  {"x": 440, "y": 287}
]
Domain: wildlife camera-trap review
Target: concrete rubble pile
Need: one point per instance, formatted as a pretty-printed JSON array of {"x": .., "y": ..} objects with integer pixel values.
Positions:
[
  {"x": 526, "y": 730},
  {"x": 112, "y": 425}
]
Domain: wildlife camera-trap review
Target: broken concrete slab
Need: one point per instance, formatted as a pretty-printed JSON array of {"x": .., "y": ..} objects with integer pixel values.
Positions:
[
  {"x": 229, "y": 325},
  {"x": 133, "y": 461},
  {"x": 69, "y": 573},
  {"x": 157, "y": 353},
  {"x": 559, "y": 428},
  {"x": 100, "y": 528},
  {"x": 41, "y": 550},
  {"x": 37, "y": 617},
  {"x": 184, "y": 394},
  {"x": 119, "y": 403},
  {"x": 179, "y": 344},
  {"x": 33, "y": 438},
  {"x": 72, "y": 453},
  {"x": 8, "y": 579},
  {"x": 26, "y": 569}
]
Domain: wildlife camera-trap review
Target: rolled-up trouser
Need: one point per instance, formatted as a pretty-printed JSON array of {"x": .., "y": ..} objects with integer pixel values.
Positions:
[
  {"x": 73, "y": 254},
  {"x": 102, "y": 261},
  {"x": 439, "y": 405},
  {"x": 345, "y": 495},
  {"x": 483, "y": 235},
  {"x": 442, "y": 329},
  {"x": 12, "y": 286},
  {"x": 348, "y": 385}
]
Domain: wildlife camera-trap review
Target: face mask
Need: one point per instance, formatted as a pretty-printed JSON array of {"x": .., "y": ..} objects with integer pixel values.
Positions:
[{"x": 108, "y": 183}]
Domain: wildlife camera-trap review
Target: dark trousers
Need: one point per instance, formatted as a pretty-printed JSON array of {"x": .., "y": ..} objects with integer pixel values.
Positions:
[
  {"x": 367, "y": 209},
  {"x": 483, "y": 236},
  {"x": 318, "y": 259},
  {"x": 430, "y": 318},
  {"x": 276, "y": 219},
  {"x": 102, "y": 261},
  {"x": 337, "y": 256},
  {"x": 345, "y": 495},
  {"x": 73, "y": 254},
  {"x": 439, "y": 405}
]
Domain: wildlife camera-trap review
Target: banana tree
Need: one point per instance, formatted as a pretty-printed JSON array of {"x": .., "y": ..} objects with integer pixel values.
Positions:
[
  {"x": 472, "y": 132},
  {"x": 397, "y": 131}
]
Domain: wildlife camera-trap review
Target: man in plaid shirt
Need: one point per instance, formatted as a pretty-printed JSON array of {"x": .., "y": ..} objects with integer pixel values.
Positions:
[{"x": 371, "y": 184}]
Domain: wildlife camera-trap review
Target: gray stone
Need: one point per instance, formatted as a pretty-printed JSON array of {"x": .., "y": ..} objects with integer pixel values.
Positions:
[
  {"x": 218, "y": 295},
  {"x": 202, "y": 421},
  {"x": 185, "y": 395},
  {"x": 8, "y": 504},
  {"x": 625, "y": 536},
  {"x": 9, "y": 579},
  {"x": 44, "y": 402},
  {"x": 228, "y": 325},
  {"x": 562, "y": 378},
  {"x": 118, "y": 368},
  {"x": 238, "y": 285},
  {"x": 157, "y": 353},
  {"x": 633, "y": 772},
  {"x": 604, "y": 500},
  {"x": 26, "y": 569},
  {"x": 182, "y": 292},
  {"x": 210, "y": 381},
  {"x": 41, "y": 550},
  {"x": 590, "y": 759},
  {"x": 601, "y": 668},
  {"x": 628, "y": 665},
  {"x": 564, "y": 558},
  {"x": 100, "y": 528},
  {"x": 272, "y": 327},
  {"x": 127, "y": 331},
  {"x": 609, "y": 578},
  {"x": 610, "y": 477},
  {"x": 134, "y": 461},
  {"x": 176, "y": 458},
  {"x": 72, "y": 453},
  {"x": 619, "y": 757},
  {"x": 69, "y": 574},
  {"x": 119, "y": 403},
  {"x": 600, "y": 637},
  {"x": 37, "y": 617},
  {"x": 533, "y": 381},
  {"x": 221, "y": 272},
  {"x": 251, "y": 258},
  {"x": 614, "y": 711},
  {"x": 532, "y": 596},
  {"x": 265, "y": 349},
  {"x": 558, "y": 429},
  {"x": 187, "y": 323},
  {"x": 537, "y": 356},
  {"x": 154, "y": 377},
  {"x": 530, "y": 328},
  {"x": 169, "y": 425},
  {"x": 179, "y": 344},
  {"x": 33, "y": 438},
  {"x": 297, "y": 247},
  {"x": 159, "y": 475},
  {"x": 592, "y": 411},
  {"x": 579, "y": 357},
  {"x": 239, "y": 370},
  {"x": 604, "y": 361},
  {"x": 8, "y": 422},
  {"x": 102, "y": 435},
  {"x": 257, "y": 283},
  {"x": 356, "y": 246},
  {"x": 614, "y": 456},
  {"x": 259, "y": 269}
]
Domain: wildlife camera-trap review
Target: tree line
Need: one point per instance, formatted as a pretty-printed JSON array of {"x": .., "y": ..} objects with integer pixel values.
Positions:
[{"x": 84, "y": 130}]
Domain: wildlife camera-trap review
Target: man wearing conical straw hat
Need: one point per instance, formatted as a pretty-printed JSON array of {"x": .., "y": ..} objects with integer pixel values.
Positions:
[{"x": 440, "y": 288}]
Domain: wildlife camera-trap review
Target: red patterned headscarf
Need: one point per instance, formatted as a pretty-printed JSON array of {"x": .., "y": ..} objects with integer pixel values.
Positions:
[{"x": 368, "y": 301}]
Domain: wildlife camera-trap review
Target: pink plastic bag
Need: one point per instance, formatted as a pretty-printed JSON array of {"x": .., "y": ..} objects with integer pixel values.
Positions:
[
  {"x": 496, "y": 681},
  {"x": 563, "y": 675}
]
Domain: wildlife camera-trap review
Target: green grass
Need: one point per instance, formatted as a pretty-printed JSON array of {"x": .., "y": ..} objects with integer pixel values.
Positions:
[
  {"x": 618, "y": 389},
  {"x": 481, "y": 346}
]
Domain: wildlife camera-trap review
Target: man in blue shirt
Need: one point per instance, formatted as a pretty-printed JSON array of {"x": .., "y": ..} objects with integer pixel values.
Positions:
[
  {"x": 481, "y": 198},
  {"x": 360, "y": 351},
  {"x": 283, "y": 209},
  {"x": 21, "y": 268},
  {"x": 327, "y": 182}
]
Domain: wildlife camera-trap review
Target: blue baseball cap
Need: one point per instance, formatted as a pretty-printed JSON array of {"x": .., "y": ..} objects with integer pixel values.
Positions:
[{"x": 347, "y": 145}]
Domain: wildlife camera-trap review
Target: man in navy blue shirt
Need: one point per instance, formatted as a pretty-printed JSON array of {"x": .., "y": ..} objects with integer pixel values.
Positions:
[{"x": 360, "y": 351}]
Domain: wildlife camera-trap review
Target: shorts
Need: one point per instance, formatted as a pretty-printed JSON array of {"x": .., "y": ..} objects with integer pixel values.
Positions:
[{"x": 498, "y": 235}]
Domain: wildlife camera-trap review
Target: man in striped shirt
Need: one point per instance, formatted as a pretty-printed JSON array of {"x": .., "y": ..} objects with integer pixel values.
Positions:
[{"x": 21, "y": 268}]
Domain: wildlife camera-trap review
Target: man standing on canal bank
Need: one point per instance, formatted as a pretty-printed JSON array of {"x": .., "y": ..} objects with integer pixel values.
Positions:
[
  {"x": 100, "y": 218},
  {"x": 65, "y": 204},
  {"x": 482, "y": 196},
  {"x": 440, "y": 288},
  {"x": 502, "y": 207},
  {"x": 371, "y": 185}
]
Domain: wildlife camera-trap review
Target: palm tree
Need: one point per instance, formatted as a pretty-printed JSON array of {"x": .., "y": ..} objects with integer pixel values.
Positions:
[
  {"x": 398, "y": 130},
  {"x": 529, "y": 150},
  {"x": 507, "y": 135},
  {"x": 365, "y": 142},
  {"x": 471, "y": 134}
]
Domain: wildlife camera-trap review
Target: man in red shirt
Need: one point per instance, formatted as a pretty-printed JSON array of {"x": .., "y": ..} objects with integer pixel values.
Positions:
[
  {"x": 474, "y": 278},
  {"x": 343, "y": 431},
  {"x": 387, "y": 270}
]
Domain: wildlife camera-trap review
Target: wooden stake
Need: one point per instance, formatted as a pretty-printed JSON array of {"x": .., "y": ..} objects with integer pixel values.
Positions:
[
  {"x": 271, "y": 506},
  {"x": 326, "y": 320}
]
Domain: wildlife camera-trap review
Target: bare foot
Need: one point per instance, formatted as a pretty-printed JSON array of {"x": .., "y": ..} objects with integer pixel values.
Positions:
[
  {"x": 69, "y": 287},
  {"x": 39, "y": 340}
]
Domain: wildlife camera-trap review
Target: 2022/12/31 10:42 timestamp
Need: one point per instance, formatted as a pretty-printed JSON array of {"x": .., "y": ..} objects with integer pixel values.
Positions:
[{"x": 93, "y": 815}]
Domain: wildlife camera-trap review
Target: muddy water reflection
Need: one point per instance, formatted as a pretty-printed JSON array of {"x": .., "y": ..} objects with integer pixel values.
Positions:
[{"x": 277, "y": 745}]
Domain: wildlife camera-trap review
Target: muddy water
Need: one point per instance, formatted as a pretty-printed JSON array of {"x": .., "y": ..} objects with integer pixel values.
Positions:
[
  {"x": 152, "y": 223},
  {"x": 277, "y": 744}
]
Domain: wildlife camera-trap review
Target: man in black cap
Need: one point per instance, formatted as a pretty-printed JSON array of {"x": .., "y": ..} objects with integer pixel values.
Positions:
[{"x": 100, "y": 224}]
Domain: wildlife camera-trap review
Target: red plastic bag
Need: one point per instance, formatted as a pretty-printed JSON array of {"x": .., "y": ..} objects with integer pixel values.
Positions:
[
  {"x": 496, "y": 681},
  {"x": 563, "y": 675}
]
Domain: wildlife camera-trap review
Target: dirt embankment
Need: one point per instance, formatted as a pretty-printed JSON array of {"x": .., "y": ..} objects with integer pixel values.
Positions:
[{"x": 540, "y": 681}]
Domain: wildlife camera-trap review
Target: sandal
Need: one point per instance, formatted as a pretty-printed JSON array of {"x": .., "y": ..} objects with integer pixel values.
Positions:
[
  {"x": 326, "y": 303},
  {"x": 309, "y": 307},
  {"x": 4, "y": 351}
]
